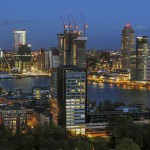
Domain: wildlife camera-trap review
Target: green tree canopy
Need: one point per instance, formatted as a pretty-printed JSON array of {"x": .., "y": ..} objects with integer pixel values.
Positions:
[{"x": 127, "y": 144}]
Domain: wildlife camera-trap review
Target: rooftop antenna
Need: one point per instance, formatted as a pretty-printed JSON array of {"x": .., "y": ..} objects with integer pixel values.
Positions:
[{"x": 85, "y": 25}]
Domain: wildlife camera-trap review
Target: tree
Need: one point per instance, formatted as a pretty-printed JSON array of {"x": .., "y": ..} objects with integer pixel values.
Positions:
[
  {"x": 117, "y": 104},
  {"x": 100, "y": 143},
  {"x": 93, "y": 104},
  {"x": 119, "y": 128},
  {"x": 108, "y": 105},
  {"x": 1, "y": 89},
  {"x": 127, "y": 144},
  {"x": 99, "y": 106},
  {"x": 124, "y": 127},
  {"x": 5, "y": 136}
]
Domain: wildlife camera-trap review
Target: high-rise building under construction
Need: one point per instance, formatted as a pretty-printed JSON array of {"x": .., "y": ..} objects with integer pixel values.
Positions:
[
  {"x": 71, "y": 46},
  {"x": 69, "y": 82}
]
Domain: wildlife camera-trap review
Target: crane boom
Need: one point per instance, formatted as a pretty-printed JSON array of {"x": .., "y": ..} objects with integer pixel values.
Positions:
[
  {"x": 85, "y": 25},
  {"x": 70, "y": 26},
  {"x": 74, "y": 22},
  {"x": 64, "y": 24}
]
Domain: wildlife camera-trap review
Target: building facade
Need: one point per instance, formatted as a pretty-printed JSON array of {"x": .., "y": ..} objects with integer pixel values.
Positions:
[
  {"x": 40, "y": 91},
  {"x": 127, "y": 46},
  {"x": 53, "y": 58},
  {"x": 71, "y": 46},
  {"x": 142, "y": 58},
  {"x": 23, "y": 58},
  {"x": 13, "y": 118},
  {"x": 19, "y": 38},
  {"x": 69, "y": 98}
]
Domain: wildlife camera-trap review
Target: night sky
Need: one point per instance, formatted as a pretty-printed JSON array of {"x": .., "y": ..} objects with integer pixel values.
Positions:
[{"x": 42, "y": 20}]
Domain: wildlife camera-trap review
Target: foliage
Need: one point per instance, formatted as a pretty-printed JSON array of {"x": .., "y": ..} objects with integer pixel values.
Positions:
[
  {"x": 124, "y": 135},
  {"x": 44, "y": 137},
  {"x": 100, "y": 143},
  {"x": 123, "y": 127},
  {"x": 108, "y": 105},
  {"x": 1, "y": 89},
  {"x": 127, "y": 144},
  {"x": 5, "y": 136}
]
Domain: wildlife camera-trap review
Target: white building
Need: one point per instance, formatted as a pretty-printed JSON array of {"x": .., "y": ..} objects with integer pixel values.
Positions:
[{"x": 19, "y": 38}]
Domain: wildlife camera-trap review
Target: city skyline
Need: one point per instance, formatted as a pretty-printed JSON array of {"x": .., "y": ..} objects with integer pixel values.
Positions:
[{"x": 42, "y": 21}]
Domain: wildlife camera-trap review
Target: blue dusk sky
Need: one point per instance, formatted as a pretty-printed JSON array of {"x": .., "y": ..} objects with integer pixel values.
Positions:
[{"x": 42, "y": 20}]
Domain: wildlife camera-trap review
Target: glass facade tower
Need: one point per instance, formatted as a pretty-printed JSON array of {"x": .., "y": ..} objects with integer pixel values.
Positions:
[
  {"x": 127, "y": 47},
  {"x": 142, "y": 58}
]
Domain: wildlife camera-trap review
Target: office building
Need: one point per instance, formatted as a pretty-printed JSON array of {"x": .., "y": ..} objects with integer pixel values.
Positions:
[
  {"x": 53, "y": 57},
  {"x": 148, "y": 66},
  {"x": 69, "y": 98},
  {"x": 41, "y": 59},
  {"x": 19, "y": 38},
  {"x": 23, "y": 58},
  {"x": 72, "y": 46},
  {"x": 40, "y": 91},
  {"x": 13, "y": 118},
  {"x": 142, "y": 58},
  {"x": 127, "y": 46}
]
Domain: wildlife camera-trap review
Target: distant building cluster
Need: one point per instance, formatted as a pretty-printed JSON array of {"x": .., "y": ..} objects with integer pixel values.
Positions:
[
  {"x": 135, "y": 54},
  {"x": 69, "y": 64}
]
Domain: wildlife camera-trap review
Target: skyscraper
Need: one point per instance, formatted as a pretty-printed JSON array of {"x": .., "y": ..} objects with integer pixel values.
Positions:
[
  {"x": 69, "y": 83},
  {"x": 71, "y": 46},
  {"x": 69, "y": 98},
  {"x": 23, "y": 58},
  {"x": 127, "y": 46},
  {"x": 19, "y": 38},
  {"x": 142, "y": 58}
]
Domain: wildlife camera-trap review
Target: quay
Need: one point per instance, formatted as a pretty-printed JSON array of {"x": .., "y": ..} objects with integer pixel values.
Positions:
[
  {"x": 19, "y": 76},
  {"x": 124, "y": 83}
]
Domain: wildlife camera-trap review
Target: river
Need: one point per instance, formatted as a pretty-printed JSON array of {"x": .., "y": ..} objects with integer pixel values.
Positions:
[{"x": 96, "y": 91}]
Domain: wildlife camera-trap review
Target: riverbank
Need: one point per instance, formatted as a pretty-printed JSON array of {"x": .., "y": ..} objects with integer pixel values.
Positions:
[{"x": 123, "y": 83}]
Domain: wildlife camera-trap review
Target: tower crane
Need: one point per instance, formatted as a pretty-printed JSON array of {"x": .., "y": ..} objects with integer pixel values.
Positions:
[
  {"x": 85, "y": 25},
  {"x": 64, "y": 24},
  {"x": 74, "y": 22},
  {"x": 70, "y": 25}
]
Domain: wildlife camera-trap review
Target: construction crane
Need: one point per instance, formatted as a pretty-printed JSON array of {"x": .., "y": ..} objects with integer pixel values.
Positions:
[
  {"x": 74, "y": 22},
  {"x": 70, "y": 25},
  {"x": 64, "y": 24},
  {"x": 85, "y": 25}
]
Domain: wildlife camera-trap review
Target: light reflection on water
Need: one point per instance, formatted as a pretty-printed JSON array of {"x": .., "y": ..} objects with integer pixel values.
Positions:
[
  {"x": 121, "y": 93},
  {"x": 96, "y": 91},
  {"x": 26, "y": 83}
]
